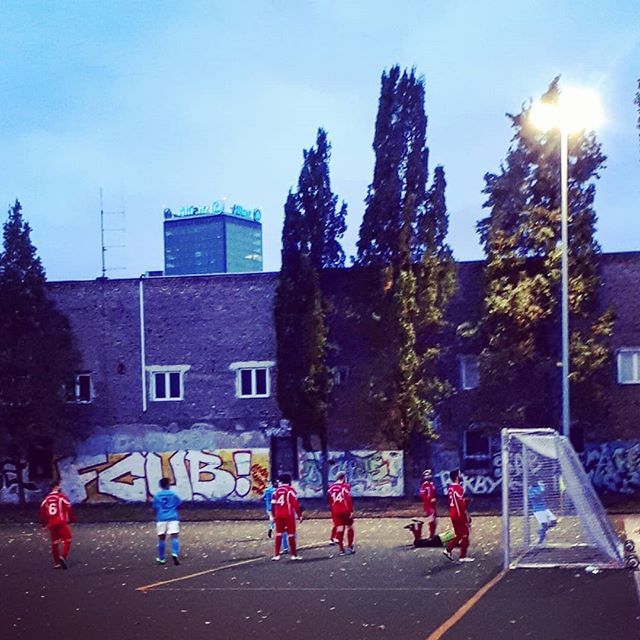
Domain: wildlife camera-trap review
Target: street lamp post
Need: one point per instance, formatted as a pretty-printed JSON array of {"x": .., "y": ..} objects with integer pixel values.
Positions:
[{"x": 577, "y": 109}]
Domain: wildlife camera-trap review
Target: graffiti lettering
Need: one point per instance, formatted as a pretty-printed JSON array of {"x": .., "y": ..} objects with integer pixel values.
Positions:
[
  {"x": 614, "y": 466},
  {"x": 196, "y": 475},
  {"x": 370, "y": 473}
]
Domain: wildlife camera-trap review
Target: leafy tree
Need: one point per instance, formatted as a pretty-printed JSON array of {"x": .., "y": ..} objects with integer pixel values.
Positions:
[
  {"x": 403, "y": 235},
  {"x": 312, "y": 228},
  {"x": 36, "y": 353},
  {"x": 519, "y": 334}
]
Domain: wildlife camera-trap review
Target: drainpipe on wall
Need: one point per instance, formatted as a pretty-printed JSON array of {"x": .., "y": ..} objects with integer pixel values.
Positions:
[{"x": 142, "y": 350}]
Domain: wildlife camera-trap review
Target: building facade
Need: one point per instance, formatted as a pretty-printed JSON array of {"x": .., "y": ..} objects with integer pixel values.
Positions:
[
  {"x": 178, "y": 378},
  {"x": 210, "y": 239}
]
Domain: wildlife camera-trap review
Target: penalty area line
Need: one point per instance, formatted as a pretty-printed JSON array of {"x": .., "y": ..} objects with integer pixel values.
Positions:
[
  {"x": 465, "y": 608},
  {"x": 153, "y": 585}
]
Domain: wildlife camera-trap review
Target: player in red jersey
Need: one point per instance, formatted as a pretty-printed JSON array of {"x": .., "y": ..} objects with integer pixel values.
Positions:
[
  {"x": 56, "y": 514},
  {"x": 428, "y": 497},
  {"x": 341, "y": 504},
  {"x": 333, "y": 538},
  {"x": 285, "y": 508},
  {"x": 459, "y": 518}
]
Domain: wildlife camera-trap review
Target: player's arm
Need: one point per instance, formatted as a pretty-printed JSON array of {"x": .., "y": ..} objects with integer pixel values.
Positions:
[
  {"x": 44, "y": 517},
  {"x": 296, "y": 506}
]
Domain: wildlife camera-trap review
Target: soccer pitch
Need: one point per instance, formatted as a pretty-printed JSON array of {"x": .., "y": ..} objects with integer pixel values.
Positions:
[{"x": 226, "y": 587}]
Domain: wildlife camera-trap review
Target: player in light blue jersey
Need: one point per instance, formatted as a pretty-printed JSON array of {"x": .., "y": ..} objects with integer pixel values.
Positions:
[
  {"x": 267, "y": 496},
  {"x": 166, "y": 503}
]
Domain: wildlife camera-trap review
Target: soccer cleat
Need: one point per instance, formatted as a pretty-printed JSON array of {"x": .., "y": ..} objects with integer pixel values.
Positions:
[
  {"x": 161, "y": 561},
  {"x": 333, "y": 541},
  {"x": 276, "y": 558},
  {"x": 352, "y": 550},
  {"x": 57, "y": 565},
  {"x": 417, "y": 520},
  {"x": 296, "y": 557},
  {"x": 284, "y": 551},
  {"x": 447, "y": 554},
  {"x": 176, "y": 560},
  {"x": 342, "y": 553},
  {"x": 411, "y": 526},
  {"x": 63, "y": 563},
  {"x": 467, "y": 559}
]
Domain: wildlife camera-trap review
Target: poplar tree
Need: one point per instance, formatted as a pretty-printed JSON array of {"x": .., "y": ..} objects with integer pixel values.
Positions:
[
  {"x": 313, "y": 226},
  {"x": 36, "y": 352},
  {"x": 402, "y": 236},
  {"x": 519, "y": 337}
]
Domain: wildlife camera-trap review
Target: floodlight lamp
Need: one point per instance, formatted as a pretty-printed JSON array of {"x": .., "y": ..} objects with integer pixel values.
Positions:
[{"x": 577, "y": 109}]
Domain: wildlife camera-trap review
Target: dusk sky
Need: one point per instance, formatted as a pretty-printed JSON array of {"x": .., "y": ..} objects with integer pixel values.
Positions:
[{"x": 177, "y": 103}]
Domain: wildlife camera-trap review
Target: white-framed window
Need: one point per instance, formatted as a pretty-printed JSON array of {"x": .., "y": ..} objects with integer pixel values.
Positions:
[
  {"x": 166, "y": 382},
  {"x": 476, "y": 444},
  {"x": 629, "y": 365},
  {"x": 253, "y": 378},
  {"x": 80, "y": 389},
  {"x": 469, "y": 372}
]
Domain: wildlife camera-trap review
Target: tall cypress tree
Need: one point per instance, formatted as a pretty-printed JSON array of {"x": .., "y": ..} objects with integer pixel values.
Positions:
[
  {"x": 403, "y": 236},
  {"x": 311, "y": 235},
  {"x": 36, "y": 353},
  {"x": 520, "y": 329}
]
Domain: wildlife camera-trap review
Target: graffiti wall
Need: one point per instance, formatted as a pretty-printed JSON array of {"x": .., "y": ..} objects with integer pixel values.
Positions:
[
  {"x": 196, "y": 475},
  {"x": 10, "y": 472},
  {"x": 376, "y": 474},
  {"x": 614, "y": 466}
]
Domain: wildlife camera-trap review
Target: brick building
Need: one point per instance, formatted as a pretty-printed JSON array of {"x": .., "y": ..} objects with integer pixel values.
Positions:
[{"x": 177, "y": 378}]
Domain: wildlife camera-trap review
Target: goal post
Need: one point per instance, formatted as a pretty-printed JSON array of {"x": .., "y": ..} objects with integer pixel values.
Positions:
[{"x": 551, "y": 514}]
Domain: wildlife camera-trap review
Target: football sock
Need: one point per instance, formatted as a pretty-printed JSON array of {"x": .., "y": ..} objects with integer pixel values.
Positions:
[
  {"x": 432, "y": 529},
  {"x": 350, "y": 536},
  {"x": 161, "y": 548},
  {"x": 66, "y": 545},
  {"x": 292, "y": 545},
  {"x": 285, "y": 541},
  {"x": 341, "y": 539},
  {"x": 278, "y": 543},
  {"x": 333, "y": 533},
  {"x": 55, "y": 552},
  {"x": 175, "y": 546}
]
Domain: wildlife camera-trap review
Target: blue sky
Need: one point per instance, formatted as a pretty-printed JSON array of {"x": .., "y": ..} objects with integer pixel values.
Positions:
[{"x": 176, "y": 103}]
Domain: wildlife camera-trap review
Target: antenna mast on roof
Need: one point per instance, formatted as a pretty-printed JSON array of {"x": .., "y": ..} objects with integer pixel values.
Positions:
[{"x": 103, "y": 231}]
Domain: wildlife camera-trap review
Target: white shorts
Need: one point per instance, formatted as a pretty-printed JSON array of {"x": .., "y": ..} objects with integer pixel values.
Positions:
[
  {"x": 169, "y": 526},
  {"x": 545, "y": 517}
]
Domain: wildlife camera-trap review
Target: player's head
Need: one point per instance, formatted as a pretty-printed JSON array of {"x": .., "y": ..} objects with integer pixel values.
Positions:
[
  {"x": 164, "y": 483},
  {"x": 285, "y": 478},
  {"x": 55, "y": 486},
  {"x": 426, "y": 474},
  {"x": 454, "y": 475},
  {"x": 341, "y": 476}
]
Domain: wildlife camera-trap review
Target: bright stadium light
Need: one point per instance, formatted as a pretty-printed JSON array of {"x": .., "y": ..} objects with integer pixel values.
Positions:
[{"x": 577, "y": 109}]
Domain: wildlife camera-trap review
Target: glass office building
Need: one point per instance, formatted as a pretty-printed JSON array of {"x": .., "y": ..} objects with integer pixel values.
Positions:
[{"x": 212, "y": 242}]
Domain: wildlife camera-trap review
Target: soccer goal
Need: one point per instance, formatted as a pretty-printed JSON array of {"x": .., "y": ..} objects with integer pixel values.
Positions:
[{"x": 551, "y": 514}]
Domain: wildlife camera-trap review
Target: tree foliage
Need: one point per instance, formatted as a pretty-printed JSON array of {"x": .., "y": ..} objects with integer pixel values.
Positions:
[
  {"x": 402, "y": 235},
  {"x": 313, "y": 226},
  {"x": 36, "y": 352},
  {"x": 519, "y": 335}
]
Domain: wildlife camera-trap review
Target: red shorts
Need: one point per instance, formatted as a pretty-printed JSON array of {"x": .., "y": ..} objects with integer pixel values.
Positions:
[
  {"x": 342, "y": 519},
  {"x": 288, "y": 524},
  {"x": 60, "y": 531}
]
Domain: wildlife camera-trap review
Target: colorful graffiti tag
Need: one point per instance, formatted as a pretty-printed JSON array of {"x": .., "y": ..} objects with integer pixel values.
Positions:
[
  {"x": 614, "y": 466},
  {"x": 371, "y": 473},
  {"x": 196, "y": 475}
]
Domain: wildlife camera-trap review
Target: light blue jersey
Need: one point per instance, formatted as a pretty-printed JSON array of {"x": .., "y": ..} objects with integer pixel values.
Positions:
[
  {"x": 536, "y": 498},
  {"x": 166, "y": 503},
  {"x": 267, "y": 496}
]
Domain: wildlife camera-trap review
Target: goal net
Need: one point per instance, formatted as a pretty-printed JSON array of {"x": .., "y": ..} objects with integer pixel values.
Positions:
[{"x": 551, "y": 514}]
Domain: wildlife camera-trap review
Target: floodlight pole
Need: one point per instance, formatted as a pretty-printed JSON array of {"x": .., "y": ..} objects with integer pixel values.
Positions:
[{"x": 564, "y": 206}]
